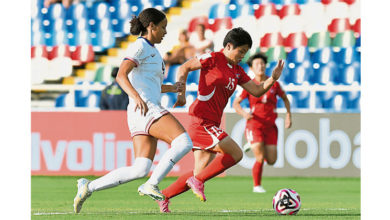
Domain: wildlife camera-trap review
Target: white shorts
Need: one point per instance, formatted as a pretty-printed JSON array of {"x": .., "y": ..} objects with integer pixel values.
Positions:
[{"x": 139, "y": 124}]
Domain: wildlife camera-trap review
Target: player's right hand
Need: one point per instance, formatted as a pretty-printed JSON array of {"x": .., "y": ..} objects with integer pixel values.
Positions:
[
  {"x": 181, "y": 100},
  {"x": 140, "y": 104},
  {"x": 278, "y": 70}
]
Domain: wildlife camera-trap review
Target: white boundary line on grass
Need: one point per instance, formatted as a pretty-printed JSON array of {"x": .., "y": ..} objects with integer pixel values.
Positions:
[{"x": 222, "y": 211}]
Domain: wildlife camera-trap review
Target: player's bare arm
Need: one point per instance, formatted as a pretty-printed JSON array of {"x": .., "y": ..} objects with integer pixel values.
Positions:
[
  {"x": 182, "y": 74},
  {"x": 287, "y": 121},
  {"x": 240, "y": 110},
  {"x": 262, "y": 88},
  {"x": 122, "y": 79},
  {"x": 177, "y": 87}
]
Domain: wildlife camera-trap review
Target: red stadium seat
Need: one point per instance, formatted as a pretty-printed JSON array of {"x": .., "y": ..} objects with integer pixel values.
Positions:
[
  {"x": 289, "y": 10},
  {"x": 356, "y": 28},
  {"x": 270, "y": 40},
  {"x": 83, "y": 54},
  {"x": 339, "y": 25},
  {"x": 266, "y": 9},
  {"x": 327, "y": 2},
  {"x": 349, "y": 2},
  {"x": 295, "y": 40},
  {"x": 198, "y": 20},
  {"x": 60, "y": 51},
  {"x": 220, "y": 23},
  {"x": 39, "y": 51}
]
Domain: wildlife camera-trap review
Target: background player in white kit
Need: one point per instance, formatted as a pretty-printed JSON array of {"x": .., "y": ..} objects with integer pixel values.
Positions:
[{"x": 140, "y": 76}]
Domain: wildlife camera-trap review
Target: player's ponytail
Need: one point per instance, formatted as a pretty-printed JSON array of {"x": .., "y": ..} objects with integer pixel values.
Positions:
[{"x": 138, "y": 25}]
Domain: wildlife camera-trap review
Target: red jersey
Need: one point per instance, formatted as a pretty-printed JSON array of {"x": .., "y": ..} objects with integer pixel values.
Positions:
[
  {"x": 217, "y": 82},
  {"x": 263, "y": 108}
]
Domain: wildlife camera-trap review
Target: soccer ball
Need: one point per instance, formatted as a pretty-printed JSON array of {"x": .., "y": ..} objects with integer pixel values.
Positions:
[{"x": 286, "y": 202}]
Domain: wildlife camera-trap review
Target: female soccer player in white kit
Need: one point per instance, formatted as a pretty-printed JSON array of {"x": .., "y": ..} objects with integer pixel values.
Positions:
[{"x": 140, "y": 75}]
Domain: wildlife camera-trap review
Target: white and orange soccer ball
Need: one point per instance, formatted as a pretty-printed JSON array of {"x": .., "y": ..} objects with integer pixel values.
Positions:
[{"x": 286, "y": 202}]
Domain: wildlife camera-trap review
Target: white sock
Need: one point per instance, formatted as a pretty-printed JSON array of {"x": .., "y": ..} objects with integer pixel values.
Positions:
[
  {"x": 139, "y": 169},
  {"x": 180, "y": 146}
]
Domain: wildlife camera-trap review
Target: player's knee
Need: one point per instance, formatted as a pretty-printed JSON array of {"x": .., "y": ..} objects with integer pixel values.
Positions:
[
  {"x": 142, "y": 167},
  {"x": 182, "y": 144},
  {"x": 271, "y": 161}
]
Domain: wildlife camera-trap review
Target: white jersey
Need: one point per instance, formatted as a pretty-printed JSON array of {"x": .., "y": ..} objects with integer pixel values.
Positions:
[{"x": 147, "y": 77}]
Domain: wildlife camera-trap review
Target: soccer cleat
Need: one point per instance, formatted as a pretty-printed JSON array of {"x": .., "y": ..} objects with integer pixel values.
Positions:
[
  {"x": 82, "y": 194},
  {"x": 197, "y": 188},
  {"x": 258, "y": 189},
  {"x": 164, "y": 206},
  {"x": 152, "y": 191}
]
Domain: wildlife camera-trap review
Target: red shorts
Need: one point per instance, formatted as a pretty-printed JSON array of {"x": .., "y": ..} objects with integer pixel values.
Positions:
[
  {"x": 256, "y": 134},
  {"x": 205, "y": 134}
]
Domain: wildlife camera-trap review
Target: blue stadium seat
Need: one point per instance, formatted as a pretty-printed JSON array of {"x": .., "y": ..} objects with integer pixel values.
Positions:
[
  {"x": 91, "y": 100},
  {"x": 347, "y": 55},
  {"x": 136, "y": 6},
  {"x": 64, "y": 100},
  {"x": 325, "y": 74},
  {"x": 80, "y": 37},
  {"x": 77, "y": 11},
  {"x": 322, "y": 56},
  {"x": 219, "y": 10},
  {"x": 285, "y": 74},
  {"x": 85, "y": 97},
  {"x": 168, "y": 100},
  {"x": 163, "y": 4},
  {"x": 56, "y": 11},
  {"x": 121, "y": 27},
  {"x": 77, "y": 25},
  {"x": 36, "y": 11},
  {"x": 300, "y": 99},
  {"x": 350, "y": 74},
  {"x": 300, "y": 74},
  {"x": 57, "y": 25},
  {"x": 324, "y": 99},
  {"x": 37, "y": 25},
  {"x": 353, "y": 100},
  {"x": 303, "y": 2},
  {"x": 122, "y": 10},
  {"x": 99, "y": 10},
  {"x": 103, "y": 40},
  {"x": 56, "y": 38},
  {"x": 103, "y": 24},
  {"x": 245, "y": 67},
  {"x": 37, "y": 38},
  {"x": 171, "y": 77},
  {"x": 193, "y": 77},
  {"x": 298, "y": 55},
  {"x": 190, "y": 97},
  {"x": 358, "y": 42}
]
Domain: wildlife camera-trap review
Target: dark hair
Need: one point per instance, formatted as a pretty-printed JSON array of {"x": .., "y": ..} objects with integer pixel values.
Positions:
[
  {"x": 257, "y": 56},
  {"x": 237, "y": 37},
  {"x": 139, "y": 24}
]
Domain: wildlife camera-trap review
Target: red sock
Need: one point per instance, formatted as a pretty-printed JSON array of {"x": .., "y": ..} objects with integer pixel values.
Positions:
[
  {"x": 257, "y": 172},
  {"x": 178, "y": 187},
  {"x": 217, "y": 166}
]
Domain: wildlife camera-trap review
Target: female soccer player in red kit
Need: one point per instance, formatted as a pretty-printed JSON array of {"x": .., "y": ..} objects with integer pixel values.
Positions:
[
  {"x": 261, "y": 131},
  {"x": 220, "y": 74}
]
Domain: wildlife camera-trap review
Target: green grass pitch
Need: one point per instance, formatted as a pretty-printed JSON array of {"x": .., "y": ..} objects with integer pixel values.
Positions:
[{"x": 227, "y": 198}]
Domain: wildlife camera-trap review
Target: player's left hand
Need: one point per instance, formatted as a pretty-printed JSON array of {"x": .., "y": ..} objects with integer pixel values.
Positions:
[
  {"x": 287, "y": 121},
  {"x": 179, "y": 87},
  {"x": 278, "y": 70}
]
